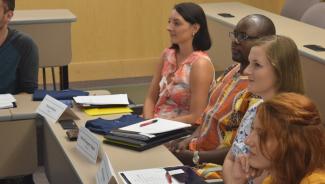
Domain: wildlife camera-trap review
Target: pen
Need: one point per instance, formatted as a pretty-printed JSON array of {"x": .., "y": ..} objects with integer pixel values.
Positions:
[
  {"x": 168, "y": 177},
  {"x": 148, "y": 123}
]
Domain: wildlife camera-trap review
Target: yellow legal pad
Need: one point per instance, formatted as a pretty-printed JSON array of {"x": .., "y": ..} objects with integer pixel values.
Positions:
[{"x": 108, "y": 110}]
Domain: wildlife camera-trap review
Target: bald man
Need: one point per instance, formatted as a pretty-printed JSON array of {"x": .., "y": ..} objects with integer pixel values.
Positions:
[{"x": 227, "y": 105}]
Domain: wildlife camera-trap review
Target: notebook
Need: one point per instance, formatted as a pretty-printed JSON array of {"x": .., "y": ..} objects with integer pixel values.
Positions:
[{"x": 143, "y": 141}]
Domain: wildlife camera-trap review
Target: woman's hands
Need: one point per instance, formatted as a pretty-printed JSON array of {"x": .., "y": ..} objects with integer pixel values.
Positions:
[{"x": 242, "y": 170}]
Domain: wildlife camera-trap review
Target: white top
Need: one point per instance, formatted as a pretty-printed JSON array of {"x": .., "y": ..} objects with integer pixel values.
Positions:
[
  {"x": 300, "y": 32},
  {"x": 42, "y": 16}
]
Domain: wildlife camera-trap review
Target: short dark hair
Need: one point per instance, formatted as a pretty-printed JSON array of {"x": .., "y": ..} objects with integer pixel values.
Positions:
[
  {"x": 10, "y": 4},
  {"x": 194, "y": 14}
]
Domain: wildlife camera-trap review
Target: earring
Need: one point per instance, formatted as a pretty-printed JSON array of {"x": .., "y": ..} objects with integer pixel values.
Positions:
[{"x": 193, "y": 34}]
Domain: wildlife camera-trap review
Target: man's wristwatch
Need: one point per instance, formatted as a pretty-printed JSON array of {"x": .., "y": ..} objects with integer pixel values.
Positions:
[{"x": 196, "y": 158}]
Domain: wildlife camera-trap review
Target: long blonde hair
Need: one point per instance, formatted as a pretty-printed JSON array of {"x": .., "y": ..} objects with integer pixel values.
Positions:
[{"x": 283, "y": 54}]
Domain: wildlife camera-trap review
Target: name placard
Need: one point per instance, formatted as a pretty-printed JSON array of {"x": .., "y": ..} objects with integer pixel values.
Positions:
[
  {"x": 51, "y": 109},
  {"x": 88, "y": 144},
  {"x": 105, "y": 174}
]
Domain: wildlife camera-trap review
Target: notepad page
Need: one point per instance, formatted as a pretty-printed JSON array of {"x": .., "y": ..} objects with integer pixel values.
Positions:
[
  {"x": 147, "y": 176},
  {"x": 161, "y": 126},
  {"x": 5, "y": 98},
  {"x": 6, "y": 105},
  {"x": 6, "y": 101}
]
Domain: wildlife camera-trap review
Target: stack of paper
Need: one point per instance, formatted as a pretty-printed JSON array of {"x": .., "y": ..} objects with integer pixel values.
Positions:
[
  {"x": 104, "y": 104},
  {"x": 147, "y": 134},
  {"x": 6, "y": 101},
  {"x": 119, "y": 99}
]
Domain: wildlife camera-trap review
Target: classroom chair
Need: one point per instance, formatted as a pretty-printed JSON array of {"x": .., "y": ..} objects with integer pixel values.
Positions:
[
  {"x": 294, "y": 9},
  {"x": 315, "y": 15}
]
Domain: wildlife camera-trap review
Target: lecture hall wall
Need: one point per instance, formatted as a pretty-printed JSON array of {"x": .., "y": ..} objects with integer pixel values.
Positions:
[{"x": 120, "y": 38}]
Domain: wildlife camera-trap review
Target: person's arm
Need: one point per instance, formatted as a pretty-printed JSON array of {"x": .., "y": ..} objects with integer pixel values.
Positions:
[
  {"x": 238, "y": 170},
  {"x": 201, "y": 77},
  {"x": 27, "y": 74},
  {"x": 227, "y": 171},
  {"x": 184, "y": 143},
  {"x": 213, "y": 156},
  {"x": 153, "y": 92}
]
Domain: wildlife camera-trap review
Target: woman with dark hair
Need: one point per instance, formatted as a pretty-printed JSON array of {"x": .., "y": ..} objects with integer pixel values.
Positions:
[
  {"x": 287, "y": 140},
  {"x": 185, "y": 75}
]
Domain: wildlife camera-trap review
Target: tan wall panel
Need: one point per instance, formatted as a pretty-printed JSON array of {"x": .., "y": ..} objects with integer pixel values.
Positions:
[
  {"x": 115, "y": 38},
  {"x": 313, "y": 74},
  {"x": 113, "y": 69}
]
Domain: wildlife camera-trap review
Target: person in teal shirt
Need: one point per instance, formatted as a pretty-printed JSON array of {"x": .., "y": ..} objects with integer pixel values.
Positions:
[{"x": 18, "y": 56}]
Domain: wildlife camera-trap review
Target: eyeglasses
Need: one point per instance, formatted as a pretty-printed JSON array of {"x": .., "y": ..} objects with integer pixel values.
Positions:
[{"x": 240, "y": 36}]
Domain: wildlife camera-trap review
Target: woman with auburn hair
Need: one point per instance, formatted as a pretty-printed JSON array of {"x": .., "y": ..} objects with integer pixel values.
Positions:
[
  {"x": 274, "y": 67},
  {"x": 287, "y": 140}
]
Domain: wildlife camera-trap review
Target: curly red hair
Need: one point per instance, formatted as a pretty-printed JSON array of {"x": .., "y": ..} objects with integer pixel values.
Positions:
[{"x": 295, "y": 121}]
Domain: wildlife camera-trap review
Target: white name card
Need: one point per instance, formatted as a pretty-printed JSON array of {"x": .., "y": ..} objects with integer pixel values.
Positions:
[
  {"x": 52, "y": 110},
  {"x": 88, "y": 144},
  {"x": 105, "y": 174}
]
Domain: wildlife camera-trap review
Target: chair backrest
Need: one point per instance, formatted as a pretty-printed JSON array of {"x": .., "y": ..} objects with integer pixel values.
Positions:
[
  {"x": 295, "y": 8},
  {"x": 315, "y": 15}
]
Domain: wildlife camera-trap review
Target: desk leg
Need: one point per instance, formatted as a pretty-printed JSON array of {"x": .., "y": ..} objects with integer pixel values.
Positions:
[{"x": 64, "y": 77}]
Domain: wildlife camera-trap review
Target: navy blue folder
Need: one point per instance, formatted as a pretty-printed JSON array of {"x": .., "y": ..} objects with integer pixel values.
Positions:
[
  {"x": 104, "y": 126},
  {"x": 39, "y": 95}
]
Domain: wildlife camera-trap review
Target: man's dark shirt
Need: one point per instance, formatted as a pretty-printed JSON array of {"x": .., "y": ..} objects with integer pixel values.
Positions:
[{"x": 18, "y": 64}]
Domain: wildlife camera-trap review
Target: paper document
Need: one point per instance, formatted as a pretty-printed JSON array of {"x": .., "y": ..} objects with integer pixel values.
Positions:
[
  {"x": 108, "y": 110},
  {"x": 147, "y": 176},
  {"x": 105, "y": 173},
  {"x": 155, "y": 126},
  {"x": 88, "y": 144},
  {"x": 6, "y": 101},
  {"x": 119, "y": 99}
]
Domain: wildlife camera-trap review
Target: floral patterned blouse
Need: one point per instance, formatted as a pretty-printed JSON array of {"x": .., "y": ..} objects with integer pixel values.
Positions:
[
  {"x": 174, "y": 95},
  {"x": 238, "y": 146}
]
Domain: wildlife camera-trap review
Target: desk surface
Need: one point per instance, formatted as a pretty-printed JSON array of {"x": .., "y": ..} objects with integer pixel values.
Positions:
[
  {"x": 5, "y": 115},
  {"x": 121, "y": 159},
  {"x": 42, "y": 16},
  {"x": 25, "y": 107},
  {"x": 300, "y": 32}
]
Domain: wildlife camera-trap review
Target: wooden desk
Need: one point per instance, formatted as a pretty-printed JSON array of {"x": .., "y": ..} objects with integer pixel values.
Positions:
[
  {"x": 64, "y": 164},
  {"x": 18, "y": 155},
  {"x": 5, "y": 115},
  {"x": 313, "y": 62},
  {"x": 51, "y": 30}
]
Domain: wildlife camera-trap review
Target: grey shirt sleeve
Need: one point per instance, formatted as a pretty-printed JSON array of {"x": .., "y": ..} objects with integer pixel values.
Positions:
[{"x": 27, "y": 71}]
